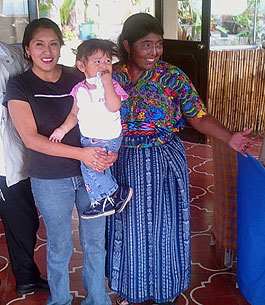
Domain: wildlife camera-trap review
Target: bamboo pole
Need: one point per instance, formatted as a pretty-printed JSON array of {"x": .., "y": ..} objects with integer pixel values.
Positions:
[{"x": 236, "y": 91}]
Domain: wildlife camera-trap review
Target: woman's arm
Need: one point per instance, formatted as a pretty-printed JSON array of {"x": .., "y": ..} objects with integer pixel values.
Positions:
[
  {"x": 210, "y": 126},
  {"x": 24, "y": 122}
]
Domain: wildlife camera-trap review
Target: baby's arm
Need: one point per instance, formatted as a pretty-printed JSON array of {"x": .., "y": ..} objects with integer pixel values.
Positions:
[
  {"x": 67, "y": 125},
  {"x": 113, "y": 100},
  {"x": 57, "y": 134}
]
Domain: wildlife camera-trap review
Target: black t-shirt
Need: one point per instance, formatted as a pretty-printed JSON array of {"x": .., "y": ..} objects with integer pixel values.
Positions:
[{"x": 50, "y": 104}]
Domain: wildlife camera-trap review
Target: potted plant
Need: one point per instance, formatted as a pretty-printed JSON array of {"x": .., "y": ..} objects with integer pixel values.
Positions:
[
  {"x": 65, "y": 10},
  {"x": 87, "y": 28}
]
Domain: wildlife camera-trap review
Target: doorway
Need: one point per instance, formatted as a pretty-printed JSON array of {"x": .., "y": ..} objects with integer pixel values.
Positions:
[{"x": 186, "y": 45}]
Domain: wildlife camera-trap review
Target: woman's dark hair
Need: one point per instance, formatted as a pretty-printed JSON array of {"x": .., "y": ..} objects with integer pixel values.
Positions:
[
  {"x": 33, "y": 27},
  {"x": 90, "y": 46},
  {"x": 136, "y": 27}
]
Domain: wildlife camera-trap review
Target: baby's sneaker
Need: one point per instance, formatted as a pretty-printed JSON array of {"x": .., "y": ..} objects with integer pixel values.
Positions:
[
  {"x": 104, "y": 207},
  {"x": 121, "y": 197}
]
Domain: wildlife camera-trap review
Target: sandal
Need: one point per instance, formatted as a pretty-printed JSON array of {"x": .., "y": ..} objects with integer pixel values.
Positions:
[{"x": 122, "y": 301}]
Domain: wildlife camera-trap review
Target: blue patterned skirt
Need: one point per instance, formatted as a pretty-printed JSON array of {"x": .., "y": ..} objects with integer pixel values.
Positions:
[{"x": 149, "y": 242}]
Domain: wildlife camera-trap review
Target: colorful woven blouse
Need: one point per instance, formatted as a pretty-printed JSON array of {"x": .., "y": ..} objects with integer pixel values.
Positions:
[{"x": 160, "y": 101}]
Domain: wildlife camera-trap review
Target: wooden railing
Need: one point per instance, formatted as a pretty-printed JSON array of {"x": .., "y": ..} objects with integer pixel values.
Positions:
[{"x": 236, "y": 88}]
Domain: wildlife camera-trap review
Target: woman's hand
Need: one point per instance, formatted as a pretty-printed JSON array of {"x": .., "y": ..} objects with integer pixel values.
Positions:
[
  {"x": 97, "y": 159},
  {"x": 241, "y": 142}
]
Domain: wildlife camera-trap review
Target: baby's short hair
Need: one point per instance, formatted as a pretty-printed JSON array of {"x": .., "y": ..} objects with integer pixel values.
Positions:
[{"x": 90, "y": 46}]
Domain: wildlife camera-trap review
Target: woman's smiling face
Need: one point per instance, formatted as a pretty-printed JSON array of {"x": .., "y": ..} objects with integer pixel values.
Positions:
[
  {"x": 44, "y": 50},
  {"x": 145, "y": 52}
]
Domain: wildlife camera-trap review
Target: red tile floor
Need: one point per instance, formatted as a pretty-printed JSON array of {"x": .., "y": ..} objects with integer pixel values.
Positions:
[{"x": 212, "y": 283}]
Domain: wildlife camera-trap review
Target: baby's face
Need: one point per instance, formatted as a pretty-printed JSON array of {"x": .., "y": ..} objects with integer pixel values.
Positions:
[{"x": 97, "y": 62}]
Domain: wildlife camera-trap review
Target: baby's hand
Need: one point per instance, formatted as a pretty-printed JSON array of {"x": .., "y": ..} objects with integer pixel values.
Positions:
[
  {"x": 57, "y": 135},
  {"x": 106, "y": 77}
]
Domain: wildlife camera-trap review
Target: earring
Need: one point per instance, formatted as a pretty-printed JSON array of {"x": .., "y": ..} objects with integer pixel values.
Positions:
[{"x": 28, "y": 56}]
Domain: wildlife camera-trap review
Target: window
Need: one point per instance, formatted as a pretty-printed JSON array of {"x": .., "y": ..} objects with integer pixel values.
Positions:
[
  {"x": 13, "y": 20},
  {"x": 189, "y": 14},
  {"x": 83, "y": 19},
  {"x": 237, "y": 22},
  {"x": 233, "y": 22}
]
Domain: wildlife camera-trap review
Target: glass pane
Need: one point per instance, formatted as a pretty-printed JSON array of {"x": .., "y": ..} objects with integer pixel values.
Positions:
[
  {"x": 232, "y": 22},
  {"x": 13, "y": 20},
  {"x": 83, "y": 19},
  {"x": 189, "y": 16},
  {"x": 182, "y": 19}
]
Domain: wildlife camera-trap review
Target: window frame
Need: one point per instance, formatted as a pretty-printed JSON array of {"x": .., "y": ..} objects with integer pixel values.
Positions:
[{"x": 33, "y": 9}]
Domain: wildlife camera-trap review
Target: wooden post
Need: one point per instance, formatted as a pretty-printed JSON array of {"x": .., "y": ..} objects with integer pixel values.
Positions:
[{"x": 262, "y": 153}]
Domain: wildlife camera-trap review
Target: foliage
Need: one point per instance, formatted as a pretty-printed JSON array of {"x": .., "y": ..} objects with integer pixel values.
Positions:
[
  {"x": 45, "y": 4},
  {"x": 44, "y": 7},
  {"x": 221, "y": 29},
  {"x": 136, "y": 2},
  {"x": 188, "y": 15},
  {"x": 65, "y": 10},
  {"x": 244, "y": 23},
  {"x": 69, "y": 34},
  {"x": 85, "y": 10},
  {"x": 185, "y": 12}
]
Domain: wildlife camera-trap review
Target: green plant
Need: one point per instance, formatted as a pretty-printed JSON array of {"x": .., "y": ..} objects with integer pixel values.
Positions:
[
  {"x": 189, "y": 15},
  {"x": 44, "y": 7},
  {"x": 65, "y": 10},
  {"x": 68, "y": 34},
  {"x": 86, "y": 18},
  {"x": 185, "y": 12},
  {"x": 85, "y": 10},
  {"x": 221, "y": 29},
  {"x": 136, "y": 2},
  {"x": 244, "y": 23},
  {"x": 45, "y": 4}
]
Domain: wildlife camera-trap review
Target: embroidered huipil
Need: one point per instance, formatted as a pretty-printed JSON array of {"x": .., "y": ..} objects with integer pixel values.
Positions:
[{"x": 160, "y": 102}]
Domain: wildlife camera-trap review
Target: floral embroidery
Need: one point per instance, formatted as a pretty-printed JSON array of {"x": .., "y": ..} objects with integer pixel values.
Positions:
[{"x": 161, "y": 100}]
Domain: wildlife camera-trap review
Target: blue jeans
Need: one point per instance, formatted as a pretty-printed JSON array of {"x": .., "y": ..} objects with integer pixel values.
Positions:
[
  {"x": 99, "y": 185},
  {"x": 55, "y": 199}
]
